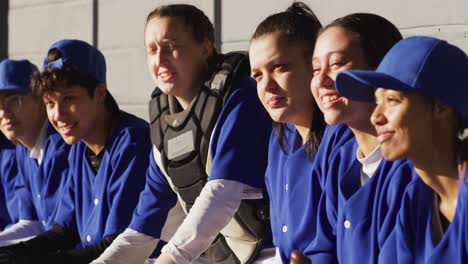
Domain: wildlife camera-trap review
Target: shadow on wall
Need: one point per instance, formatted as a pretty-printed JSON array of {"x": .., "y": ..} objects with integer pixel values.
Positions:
[{"x": 4, "y": 29}]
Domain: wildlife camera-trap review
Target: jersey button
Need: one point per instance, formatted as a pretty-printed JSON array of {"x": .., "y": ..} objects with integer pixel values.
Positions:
[
  {"x": 286, "y": 187},
  {"x": 347, "y": 224},
  {"x": 285, "y": 228},
  {"x": 38, "y": 196},
  {"x": 96, "y": 201},
  {"x": 43, "y": 223},
  {"x": 88, "y": 238}
]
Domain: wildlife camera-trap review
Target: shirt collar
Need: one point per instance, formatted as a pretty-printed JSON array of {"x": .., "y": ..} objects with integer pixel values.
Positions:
[
  {"x": 38, "y": 151},
  {"x": 371, "y": 162}
]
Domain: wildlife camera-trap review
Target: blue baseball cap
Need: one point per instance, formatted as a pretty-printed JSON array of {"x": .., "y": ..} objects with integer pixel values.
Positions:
[
  {"x": 77, "y": 53},
  {"x": 424, "y": 65},
  {"x": 15, "y": 76}
]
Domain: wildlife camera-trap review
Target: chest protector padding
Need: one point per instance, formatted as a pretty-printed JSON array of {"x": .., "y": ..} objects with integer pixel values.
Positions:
[{"x": 183, "y": 138}]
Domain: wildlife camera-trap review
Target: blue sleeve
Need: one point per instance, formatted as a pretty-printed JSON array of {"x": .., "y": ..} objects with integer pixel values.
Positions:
[
  {"x": 326, "y": 167},
  {"x": 323, "y": 247},
  {"x": 239, "y": 144},
  {"x": 26, "y": 209},
  {"x": 9, "y": 173},
  {"x": 4, "y": 215},
  {"x": 127, "y": 181},
  {"x": 154, "y": 204},
  {"x": 65, "y": 216}
]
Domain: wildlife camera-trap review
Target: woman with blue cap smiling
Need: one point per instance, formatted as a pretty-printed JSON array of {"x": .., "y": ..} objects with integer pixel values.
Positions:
[
  {"x": 363, "y": 191},
  {"x": 421, "y": 92}
]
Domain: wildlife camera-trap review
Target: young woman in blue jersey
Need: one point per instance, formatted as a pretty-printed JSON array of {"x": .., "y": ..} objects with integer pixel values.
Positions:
[
  {"x": 280, "y": 55},
  {"x": 421, "y": 100},
  {"x": 108, "y": 158},
  {"x": 362, "y": 191},
  {"x": 232, "y": 154},
  {"x": 41, "y": 155}
]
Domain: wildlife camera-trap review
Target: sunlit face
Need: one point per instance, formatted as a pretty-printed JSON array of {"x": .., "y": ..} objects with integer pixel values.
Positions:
[
  {"x": 20, "y": 115},
  {"x": 73, "y": 112},
  {"x": 337, "y": 50},
  {"x": 175, "y": 59},
  {"x": 283, "y": 75},
  {"x": 403, "y": 122}
]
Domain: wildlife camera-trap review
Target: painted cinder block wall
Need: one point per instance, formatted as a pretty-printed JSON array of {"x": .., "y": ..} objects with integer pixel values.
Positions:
[{"x": 116, "y": 28}]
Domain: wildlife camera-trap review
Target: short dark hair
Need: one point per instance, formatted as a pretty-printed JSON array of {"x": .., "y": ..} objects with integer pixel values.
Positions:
[
  {"x": 297, "y": 24},
  {"x": 194, "y": 19},
  {"x": 376, "y": 35}
]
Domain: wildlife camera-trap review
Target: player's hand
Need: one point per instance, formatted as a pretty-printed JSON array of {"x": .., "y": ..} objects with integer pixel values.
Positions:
[
  {"x": 298, "y": 258},
  {"x": 164, "y": 259}
]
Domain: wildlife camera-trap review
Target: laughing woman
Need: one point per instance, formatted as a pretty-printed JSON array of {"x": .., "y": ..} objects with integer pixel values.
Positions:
[
  {"x": 362, "y": 191},
  {"x": 421, "y": 107}
]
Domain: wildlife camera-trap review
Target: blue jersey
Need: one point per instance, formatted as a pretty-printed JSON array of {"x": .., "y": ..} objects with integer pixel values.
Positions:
[
  {"x": 39, "y": 187},
  {"x": 100, "y": 204},
  {"x": 239, "y": 149},
  {"x": 8, "y": 173},
  {"x": 354, "y": 220},
  {"x": 412, "y": 241},
  {"x": 295, "y": 189}
]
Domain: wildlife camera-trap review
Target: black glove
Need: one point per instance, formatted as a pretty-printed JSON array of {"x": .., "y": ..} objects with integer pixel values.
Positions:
[{"x": 7, "y": 256}]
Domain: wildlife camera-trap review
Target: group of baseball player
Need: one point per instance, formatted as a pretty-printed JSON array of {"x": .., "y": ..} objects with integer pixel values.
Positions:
[{"x": 343, "y": 143}]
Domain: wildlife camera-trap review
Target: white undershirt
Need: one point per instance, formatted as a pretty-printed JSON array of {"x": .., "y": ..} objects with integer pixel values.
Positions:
[
  {"x": 212, "y": 211},
  {"x": 26, "y": 229},
  {"x": 369, "y": 163},
  {"x": 37, "y": 151}
]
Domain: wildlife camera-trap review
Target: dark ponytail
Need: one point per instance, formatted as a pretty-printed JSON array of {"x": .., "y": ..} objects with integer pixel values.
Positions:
[{"x": 297, "y": 24}]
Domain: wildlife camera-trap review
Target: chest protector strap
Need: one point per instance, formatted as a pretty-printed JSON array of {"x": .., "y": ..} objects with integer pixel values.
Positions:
[{"x": 182, "y": 138}]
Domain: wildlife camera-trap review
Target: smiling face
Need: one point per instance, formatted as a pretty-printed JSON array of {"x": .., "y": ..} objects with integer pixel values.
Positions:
[
  {"x": 73, "y": 112},
  {"x": 403, "y": 122},
  {"x": 176, "y": 61},
  {"x": 283, "y": 75},
  {"x": 21, "y": 116},
  {"x": 337, "y": 50}
]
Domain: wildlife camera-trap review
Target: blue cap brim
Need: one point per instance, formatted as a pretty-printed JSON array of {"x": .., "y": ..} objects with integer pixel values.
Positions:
[{"x": 358, "y": 85}]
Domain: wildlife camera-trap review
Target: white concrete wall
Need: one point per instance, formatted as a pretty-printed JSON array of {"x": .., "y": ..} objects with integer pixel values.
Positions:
[{"x": 35, "y": 24}]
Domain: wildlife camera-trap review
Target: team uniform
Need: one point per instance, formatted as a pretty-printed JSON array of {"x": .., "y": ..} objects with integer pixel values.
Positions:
[
  {"x": 238, "y": 151},
  {"x": 42, "y": 174},
  {"x": 96, "y": 205},
  {"x": 8, "y": 173},
  {"x": 417, "y": 237},
  {"x": 40, "y": 183},
  {"x": 294, "y": 187},
  {"x": 356, "y": 216}
]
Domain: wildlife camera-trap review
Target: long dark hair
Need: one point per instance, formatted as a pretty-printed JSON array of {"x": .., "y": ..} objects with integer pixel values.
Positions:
[
  {"x": 297, "y": 24},
  {"x": 376, "y": 35}
]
